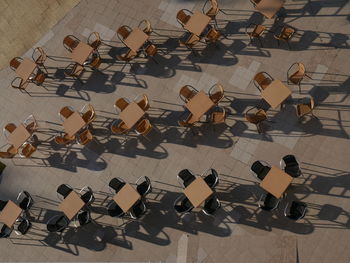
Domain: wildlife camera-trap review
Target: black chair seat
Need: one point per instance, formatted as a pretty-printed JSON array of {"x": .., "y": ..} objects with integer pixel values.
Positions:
[
  {"x": 211, "y": 205},
  {"x": 270, "y": 202},
  {"x": 87, "y": 197},
  {"x": 187, "y": 177},
  {"x": 24, "y": 227},
  {"x": 212, "y": 178},
  {"x": 114, "y": 210},
  {"x": 185, "y": 206},
  {"x": 264, "y": 172},
  {"x": 145, "y": 187},
  {"x": 5, "y": 231},
  {"x": 138, "y": 209},
  {"x": 84, "y": 218},
  {"x": 58, "y": 226},
  {"x": 64, "y": 190},
  {"x": 293, "y": 170},
  {"x": 297, "y": 210},
  {"x": 116, "y": 184}
]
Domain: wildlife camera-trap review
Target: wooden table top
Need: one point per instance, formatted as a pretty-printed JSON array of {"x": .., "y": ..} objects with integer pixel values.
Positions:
[
  {"x": 136, "y": 39},
  {"x": 275, "y": 93},
  {"x": 198, "y": 191},
  {"x": 126, "y": 197},
  {"x": 276, "y": 182},
  {"x": 131, "y": 114},
  {"x": 199, "y": 104},
  {"x": 81, "y": 53},
  {"x": 19, "y": 136},
  {"x": 197, "y": 23},
  {"x": 10, "y": 213},
  {"x": 25, "y": 69},
  {"x": 73, "y": 123},
  {"x": 269, "y": 8},
  {"x": 71, "y": 205}
]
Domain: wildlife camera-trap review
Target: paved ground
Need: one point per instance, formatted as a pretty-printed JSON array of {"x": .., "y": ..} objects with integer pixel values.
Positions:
[{"x": 239, "y": 232}]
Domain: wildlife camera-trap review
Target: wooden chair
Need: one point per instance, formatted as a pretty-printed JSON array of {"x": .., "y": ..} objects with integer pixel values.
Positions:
[
  {"x": 182, "y": 17},
  {"x": 257, "y": 32},
  {"x": 15, "y": 62},
  {"x": 298, "y": 75},
  {"x": 39, "y": 56},
  {"x": 190, "y": 42},
  {"x": 187, "y": 92},
  {"x": 31, "y": 124},
  {"x": 143, "y": 127},
  {"x": 262, "y": 80},
  {"x": 256, "y": 116},
  {"x": 39, "y": 78},
  {"x": 142, "y": 101},
  {"x": 27, "y": 150},
  {"x": 285, "y": 35},
  {"x": 8, "y": 129},
  {"x": 88, "y": 113},
  {"x": 216, "y": 93},
  {"x": 212, "y": 11},
  {"x": 127, "y": 57},
  {"x": 121, "y": 104},
  {"x": 213, "y": 35},
  {"x": 70, "y": 42},
  {"x": 306, "y": 107},
  {"x": 218, "y": 116},
  {"x": 85, "y": 137},
  {"x": 119, "y": 127},
  {"x": 10, "y": 152},
  {"x": 150, "y": 51},
  {"x": 95, "y": 61},
  {"x": 94, "y": 41},
  {"x": 123, "y": 32},
  {"x": 189, "y": 122},
  {"x": 18, "y": 83},
  {"x": 65, "y": 139},
  {"x": 65, "y": 112},
  {"x": 145, "y": 26},
  {"x": 74, "y": 70}
]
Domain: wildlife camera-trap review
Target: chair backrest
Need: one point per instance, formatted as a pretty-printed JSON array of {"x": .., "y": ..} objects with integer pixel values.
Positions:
[
  {"x": 297, "y": 210},
  {"x": 25, "y": 200},
  {"x": 57, "y": 223},
  {"x": 211, "y": 205},
  {"x": 114, "y": 210},
  {"x": 119, "y": 127},
  {"x": 145, "y": 26},
  {"x": 138, "y": 209},
  {"x": 187, "y": 92},
  {"x": 151, "y": 50},
  {"x": 182, "y": 204},
  {"x": 27, "y": 150},
  {"x": 216, "y": 93},
  {"x": 270, "y": 202},
  {"x": 213, "y": 35},
  {"x": 24, "y": 226},
  {"x": 144, "y": 187},
  {"x": 89, "y": 115},
  {"x": 142, "y": 101},
  {"x": 144, "y": 127},
  {"x": 15, "y": 62},
  {"x": 186, "y": 176},
  {"x": 66, "y": 111},
  {"x": 212, "y": 179},
  {"x": 262, "y": 79},
  {"x": 94, "y": 40},
  {"x": 214, "y": 9},
  {"x": 84, "y": 218},
  {"x": 10, "y": 127},
  {"x": 5, "y": 231},
  {"x": 64, "y": 190},
  {"x": 290, "y": 160},
  {"x": 70, "y": 42},
  {"x": 39, "y": 56},
  {"x": 260, "y": 169},
  {"x": 65, "y": 139},
  {"x": 87, "y": 195},
  {"x": 182, "y": 17},
  {"x": 123, "y": 32},
  {"x": 85, "y": 137},
  {"x": 255, "y": 115},
  {"x": 121, "y": 104},
  {"x": 116, "y": 184}
]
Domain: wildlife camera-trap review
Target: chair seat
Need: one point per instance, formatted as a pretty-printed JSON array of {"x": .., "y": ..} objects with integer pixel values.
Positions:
[
  {"x": 218, "y": 117},
  {"x": 303, "y": 109},
  {"x": 258, "y": 31},
  {"x": 287, "y": 33},
  {"x": 296, "y": 77}
]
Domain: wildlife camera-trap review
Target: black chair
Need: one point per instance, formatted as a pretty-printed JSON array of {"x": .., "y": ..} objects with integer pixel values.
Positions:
[
  {"x": 185, "y": 177},
  {"x": 211, "y": 179},
  {"x": 116, "y": 184},
  {"x": 290, "y": 165},
  {"x": 57, "y": 223},
  {"x": 138, "y": 210},
  {"x": 5, "y": 231},
  {"x": 211, "y": 206},
  {"x": 268, "y": 202},
  {"x": 114, "y": 210},
  {"x": 87, "y": 195},
  {"x": 145, "y": 187},
  {"x": 25, "y": 200},
  {"x": 183, "y": 205},
  {"x": 23, "y": 227},
  {"x": 84, "y": 218},
  {"x": 64, "y": 190},
  {"x": 260, "y": 170},
  {"x": 297, "y": 210},
  {"x": 2, "y": 204}
]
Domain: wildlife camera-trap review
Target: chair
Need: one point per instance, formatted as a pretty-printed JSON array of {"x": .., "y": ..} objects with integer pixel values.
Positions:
[
  {"x": 142, "y": 101},
  {"x": 150, "y": 51},
  {"x": 257, "y": 32},
  {"x": 145, "y": 187},
  {"x": 8, "y": 129},
  {"x": 85, "y": 137},
  {"x": 183, "y": 205},
  {"x": 187, "y": 92},
  {"x": 15, "y": 62},
  {"x": 94, "y": 62},
  {"x": 39, "y": 78},
  {"x": 216, "y": 93},
  {"x": 116, "y": 184},
  {"x": 83, "y": 218},
  {"x": 262, "y": 80},
  {"x": 25, "y": 200},
  {"x": 306, "y": 107},
  {"x": 121, "y": 104},
  {"x": 18, "y": 83},
  {"x": 88, "y": 115},
  {"x": 123, "y": 32},
  {"x": 57, "y": 223},
  {"x": 268, "y": 202},
  {"x": 114, "y": 210},
  {"x": 74, "y": 70},
  {"x": 65, "y": 112},
  {"x": 189, "y": 122},
  {"x": 3, "y": 204},
  {"x": 143, "y": 127},
  {"x": 298, "y": 75},
  {"x": 260, "y": 169},
  {"x": 211, "y": 177},
  {"x": 27, "y": 150},
  {"x": 190, "y": 42},
  {"x": 212, "y": 36},
  {"x": 255, "y": 2},
  {"x": 119, "y": 127},
  {"x": 5, "y": 231},
  {"x": 182, "y": 17},
  {"x": 211, "y": 206},
  {"x": 296, "y": 211},
  {"x": 256, "y": 116},
  {"x": 128, "y": 56},
  {"x": 70, "y": 42},
  {"x": 23, "y": 227},
  {"x": 138, "y": 210},
  {"x": 185, "y": 177},
  {"x": 145, "y": 26},
  {"x": 94, "y": 40},
  {"x": 290, "y": 165},
  {"x": 31, "y": 124},
  {"x": 285, "y": 35},
  {"x": 39, "y": 56},
  {"x": 218, "y": 115},
  {"x": 212, "y": 11},
  {"x": 63, "y": 191},
  {"x": 87, "y": 195},
  {"x": 65, "y": 139},
  {"x": 10, "y": 152}
]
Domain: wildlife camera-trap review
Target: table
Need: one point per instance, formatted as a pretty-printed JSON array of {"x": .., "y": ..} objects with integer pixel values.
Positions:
[
  {"x": 131, "y": 114},
  {"x": 198, "y": 191},
  {"x": 19, "y": 136},
  {"x": 197, "y": 23},
  {"x": 269, "y": 8},
  {"x": 126, "y": 197},
  {"x": 73, "y": 123},
  {"x": 10, "y": 213},
  {"x": 136, "y": 39},
  {"x": 71, "y": 205},
  {"x": 81, "y": 53},
  {"x": 199, "y": 104},
  {"x": 25, "y": 69},
  {"x": 276, "y": 182},
  {"x": 275, "y": 93}
]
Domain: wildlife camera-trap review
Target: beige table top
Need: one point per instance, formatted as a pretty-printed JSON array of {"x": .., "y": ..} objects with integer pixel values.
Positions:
[
  {"x": 197, "y": 23},
  {"x": 269, "y": 8},
  {"x": 199, "y": 104},
  {"x": 81, "y": 53},
  {"x": 10, "y": 213},
  {"x": 198, "y": 191},
  {"x": 276, "y": 182},
  {"x": 275, "y": 93},
  {"x": 71, "y": 205},
  {"x": 19, "y": 136},
  {"x": 131, "y": 114},
  {"x": 126, "y": 197},
  {"x": 25, "y": 69},
  {"x": 73, "y": 123},
  {"x": 136, "y": 39}
]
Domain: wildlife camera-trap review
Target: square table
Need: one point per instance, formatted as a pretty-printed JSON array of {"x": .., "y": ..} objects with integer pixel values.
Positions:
[
  {"x": 136, "y": 39},
  {"x": 197, "y": 23},
  {"x": 199, "y": 104},
  {"x": 10, "y": 213},
  {"x": 71, "y": 205},
  {"x": 275, "y": 93},
  {"x": 25, "y": 69},
  {"x": 276, "y": 182},
  {"x": 73, "y": 123},
  {"x": 198, "y": 191},
  {"x": 126, "y": 197},
  {"x": 131, "y": 114},
  {"x": 19, "y": 136},
  {"x": 269, "y": 8},
  {"x": 81, "y": 53}
]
